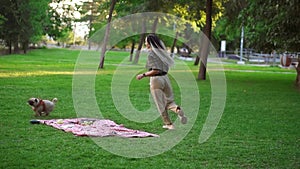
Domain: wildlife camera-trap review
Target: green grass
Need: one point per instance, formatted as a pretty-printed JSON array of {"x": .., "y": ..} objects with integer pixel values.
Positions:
[{"x": 259, "y": 127}]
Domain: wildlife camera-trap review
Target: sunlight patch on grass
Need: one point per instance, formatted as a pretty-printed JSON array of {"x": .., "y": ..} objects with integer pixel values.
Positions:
[
  {"x": 44, "y": 73},
  {"x": 35, "y": 73}
]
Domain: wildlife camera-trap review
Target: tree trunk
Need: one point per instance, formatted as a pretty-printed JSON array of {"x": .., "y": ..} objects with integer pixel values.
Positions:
[
  {"x": 298, "y": 74},
  {"x": 10, "y": 47},
  {"x": 132, "y": 50},
  {"x": 197, "y": 60},
  {"x": 142, "y": 40},
  {"x": 103, "y": 50},
  {"x": 202, "y": 71},
  {"x": 16, "y": 47},
  {"x": 25, "y": 46},
  {"x": 203, "y": 55},
  {"x": 174, "y": 44},
  {"x": 155, "y": 25},
  {"x": 90, "y": 23},
  {"x": 205, "y": 49}
]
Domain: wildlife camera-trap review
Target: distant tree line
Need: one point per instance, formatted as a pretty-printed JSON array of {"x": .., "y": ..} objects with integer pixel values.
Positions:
[
  {"x": 24, "y": 22},
  {"x": 269, "y": 25}
]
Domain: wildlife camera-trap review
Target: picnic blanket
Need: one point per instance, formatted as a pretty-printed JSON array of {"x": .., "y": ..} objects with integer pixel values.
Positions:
[{"x": 93, "y": 127}]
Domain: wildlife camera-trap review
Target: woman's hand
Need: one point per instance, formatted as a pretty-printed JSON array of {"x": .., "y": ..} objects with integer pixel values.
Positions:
[{"x": 140, "y": 76}]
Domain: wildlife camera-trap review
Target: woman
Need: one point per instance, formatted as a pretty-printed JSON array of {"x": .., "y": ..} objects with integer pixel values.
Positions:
[{"x": 158, "y": 64}]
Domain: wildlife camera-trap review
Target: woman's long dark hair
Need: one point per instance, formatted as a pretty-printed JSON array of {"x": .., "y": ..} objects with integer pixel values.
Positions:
[
  {"x": 154, "y": 41},
  {"x": 159, "y": 49}
]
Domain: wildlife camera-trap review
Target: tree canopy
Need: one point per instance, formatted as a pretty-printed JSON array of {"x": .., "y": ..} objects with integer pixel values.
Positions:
[
  {"x": 24, "y": 22},
  {"x": 268, "y": 24}
]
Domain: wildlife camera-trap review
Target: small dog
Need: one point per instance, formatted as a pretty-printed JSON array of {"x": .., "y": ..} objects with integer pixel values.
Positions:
[{"x": 40, "y": 106}]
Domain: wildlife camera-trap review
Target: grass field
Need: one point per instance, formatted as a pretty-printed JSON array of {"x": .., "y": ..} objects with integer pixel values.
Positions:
[{"x": 259, "y": 127}]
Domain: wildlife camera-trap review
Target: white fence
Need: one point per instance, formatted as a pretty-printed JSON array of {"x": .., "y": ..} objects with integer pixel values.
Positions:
[{"x": 262, "y": 58}]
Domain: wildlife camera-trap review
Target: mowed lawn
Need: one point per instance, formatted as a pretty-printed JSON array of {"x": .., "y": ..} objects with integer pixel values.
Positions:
[{"x": 259, "y": 127}]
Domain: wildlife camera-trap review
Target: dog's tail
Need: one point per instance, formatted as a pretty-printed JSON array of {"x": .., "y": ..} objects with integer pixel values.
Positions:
[{"x": 54, "y": 100}]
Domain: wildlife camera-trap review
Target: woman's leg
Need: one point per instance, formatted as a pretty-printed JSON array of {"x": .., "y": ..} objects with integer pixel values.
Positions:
[
  {"x": 171, "y": 105},
  {"x": 159, "y": 97}
]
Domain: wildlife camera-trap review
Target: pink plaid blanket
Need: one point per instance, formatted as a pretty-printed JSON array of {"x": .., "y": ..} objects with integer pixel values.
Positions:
[{"x": 93, "y": 127}]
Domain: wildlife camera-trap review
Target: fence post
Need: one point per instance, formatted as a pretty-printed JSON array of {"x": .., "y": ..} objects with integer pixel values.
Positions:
[{"x": 241, "y": 48}]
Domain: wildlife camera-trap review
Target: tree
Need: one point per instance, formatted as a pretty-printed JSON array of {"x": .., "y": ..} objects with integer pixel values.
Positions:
[
  {"x": 268, "y": 25},
  {"x": 66, "y": 38},
  {"x": 37, "y": 20},
  {"x": 298, "y": 74},
  {"x": 103, "y": 50},
  {"x": 23, "y": 22},
  {"x": 8, "y": 33},
  {"x": 90, "y": 12},
  {"x": 205, "y": 46},
  {"x": 26, "y": 21},
  {"x": 129, "y": 7},
  {"x": 204, "y": 20},
  {"x": 60, "y": 18},
  {"x": 277, "y": 25},
  {"x": 141, "y": 42},
  {"x": 146, "y": 6},
  {"x": 229, "y": 23}
]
